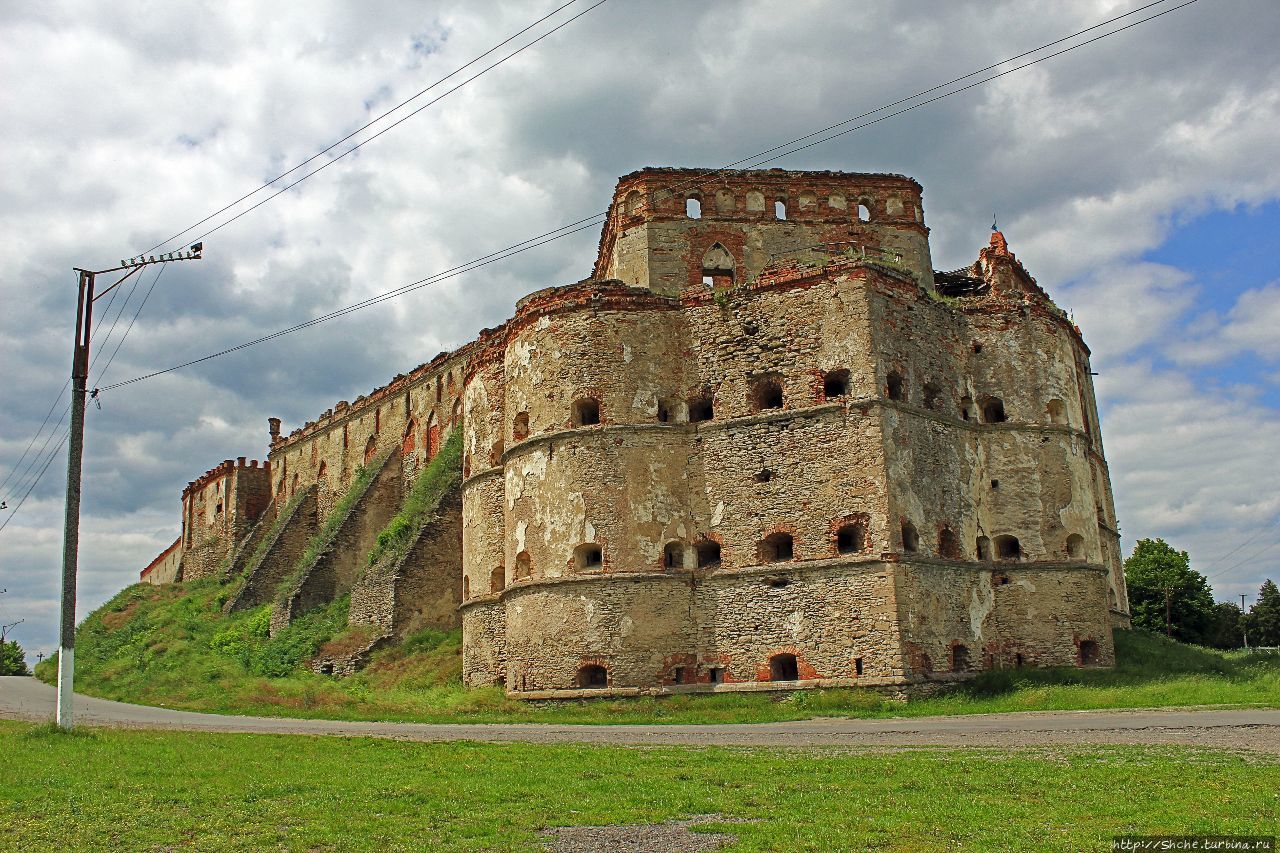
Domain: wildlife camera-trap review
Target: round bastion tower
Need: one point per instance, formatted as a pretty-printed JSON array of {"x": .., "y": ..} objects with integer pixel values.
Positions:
[{"x": 660, "y": 444}]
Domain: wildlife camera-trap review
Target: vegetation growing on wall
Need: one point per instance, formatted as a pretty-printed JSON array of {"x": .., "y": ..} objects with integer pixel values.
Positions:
[
  {"x": 360, "y": 483},
  {"x": 442, "y": 473},
  {"x": 261, "y": 549},
  {"x": 171, "y": 645}
]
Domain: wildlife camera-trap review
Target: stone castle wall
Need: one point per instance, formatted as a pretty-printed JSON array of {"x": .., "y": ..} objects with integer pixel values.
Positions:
[
  {"x": 218, "y": 510},
  {"x": 766, "y": 441}
]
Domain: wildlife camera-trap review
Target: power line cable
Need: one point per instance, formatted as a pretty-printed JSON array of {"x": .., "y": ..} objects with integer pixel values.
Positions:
[
  {"x": 1229, "y": 569},
  {"x": 361, "y": 129},
  {"x": 1255, "y": 535},
  {"x": 31, "y": 488},
  {"x": 587, "y": 222},
  {"x": 400, "y": 121},
  {"x": 129, "y": 328},
  {"x": 570, "y": 229},
  {"x": 933, "y": 89},
  {"x": 311, "y": 159},
  {"x": 66, "y": 383}
]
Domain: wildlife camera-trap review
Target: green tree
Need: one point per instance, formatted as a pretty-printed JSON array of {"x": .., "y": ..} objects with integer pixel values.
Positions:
[
  {"x": 1263, "y": 620},
  {"x": 1166, "y": 595},
  {"x": 13, "y": 660},
  {"x": 1226, "y": 628}
]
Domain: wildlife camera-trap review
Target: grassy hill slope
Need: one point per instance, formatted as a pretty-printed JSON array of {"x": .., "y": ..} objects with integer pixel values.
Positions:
[{"x": 172, "y": 645}]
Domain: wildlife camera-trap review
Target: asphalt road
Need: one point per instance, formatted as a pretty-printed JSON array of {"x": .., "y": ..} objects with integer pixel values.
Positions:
[{"x": 1256, "y": 729}]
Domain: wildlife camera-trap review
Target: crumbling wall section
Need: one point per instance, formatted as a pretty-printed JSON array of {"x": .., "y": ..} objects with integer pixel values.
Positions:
[
  {"x": 342, "y": 559},
  {"x": 282, "y": 547}
]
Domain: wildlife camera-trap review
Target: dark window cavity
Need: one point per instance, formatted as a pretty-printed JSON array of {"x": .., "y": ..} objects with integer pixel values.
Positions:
[
  {"x": 777, "y": 547},
  {"x": 784, "y": 667},
  {"x": 586, "y": 411}
]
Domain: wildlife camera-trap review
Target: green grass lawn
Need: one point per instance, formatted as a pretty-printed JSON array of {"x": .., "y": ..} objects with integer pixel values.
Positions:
[
  {"x": 171, "y": 645},
  {"x": 133, "y": 790}
]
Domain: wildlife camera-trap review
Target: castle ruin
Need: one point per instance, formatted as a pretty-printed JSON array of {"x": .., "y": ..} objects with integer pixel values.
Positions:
[{"x": 765, "y": 445}]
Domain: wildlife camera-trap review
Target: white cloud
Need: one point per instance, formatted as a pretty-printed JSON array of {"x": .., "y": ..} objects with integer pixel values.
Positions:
[{"x": 1251, "y": 326}]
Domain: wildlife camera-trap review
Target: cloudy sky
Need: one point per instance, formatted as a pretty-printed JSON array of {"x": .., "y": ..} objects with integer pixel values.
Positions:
[{"x": 1136, "y": 177}]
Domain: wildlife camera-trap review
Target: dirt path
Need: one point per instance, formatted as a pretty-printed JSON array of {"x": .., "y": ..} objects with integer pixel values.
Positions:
[{"x": 28, "y": 699}]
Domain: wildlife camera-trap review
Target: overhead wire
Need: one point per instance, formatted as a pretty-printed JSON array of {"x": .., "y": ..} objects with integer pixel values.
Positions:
[
  {"x": 362, "y": 128},
  {"x": 26, "y": 451},
  {"x": 586, "y": 222},
  {"x": 401, "y": 120}
]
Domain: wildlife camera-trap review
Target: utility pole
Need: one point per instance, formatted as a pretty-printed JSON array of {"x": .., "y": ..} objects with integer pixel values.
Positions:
[
  {"x": 4, "y": 629},
  {"x": 1244, "y": 625},
  {"x": 75, "y": 453}
]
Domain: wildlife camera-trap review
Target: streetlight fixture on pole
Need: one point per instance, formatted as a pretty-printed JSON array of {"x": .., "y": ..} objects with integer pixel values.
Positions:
[{"x": 75, "y": 453}]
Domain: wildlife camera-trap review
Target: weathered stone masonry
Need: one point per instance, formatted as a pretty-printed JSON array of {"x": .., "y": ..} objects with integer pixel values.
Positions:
[{"x": 764, "y": 444}]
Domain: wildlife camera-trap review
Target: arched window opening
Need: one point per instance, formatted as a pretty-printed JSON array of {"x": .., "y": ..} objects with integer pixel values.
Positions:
[
  {"x": 673, "y": 555},
  {"x": 671, "y": 411},
  {"x": 725, "y": 202},
  {"x": 294, "y": 490},
  {"x": 993, "y": 410},
  {"x": 784, "y": 667},
  {"x": 777, "y": 547},
  {"x": 779, "y": 209},
  {"x": 717, "y": 267},
  {"x": 701, "y": 408},
  {"x": 1088, "y": 653},
  {"x": 910, "y": 538},
  {"x": 495, "y": 452},
  {"x": 631, "y": 204},
  {"x": 323, "y": 470},
  {"x": 588, "y": 556},
  {"x": 708, "y": 552},
  {"x": 1075, "y": 547},
  {"x": 1018, "y": 660},
  {"x": 835, "y": 384},
  {"x": 593, "y": 676},
  {"x": 693, "y": 208},
  {"x": 755, "y": 201},
  {"x": 864, "y": 212},
  {"x": 1057, "y": 412},
  {"x": 949, "y": 545},
  {"x": 586, "y": 411},
  {"x": 851, "y": 538},
  {"x": 896, "y": 386},
  {"x": 959, "y": 658},
  {"x": 439, "y": 389},
  {"x": 932, "y": 395},
  {"x": 836, "y": 201},
  {"x": 1008, "y": 548},
  {"x": 520, "y": 426},
  {"x": 377, "y": 420},
  {"x": 524, "y": 565},
  {"x": 967, "y": 410},
  {"x": 344, "y": 436},
  {"x": 766, "y": 393},
  {"x": 370, "y": 449},
  {"x": 455, "y": 415},
  {"x": 431, "y": 439},
  {"x": 409, "y": 441}
]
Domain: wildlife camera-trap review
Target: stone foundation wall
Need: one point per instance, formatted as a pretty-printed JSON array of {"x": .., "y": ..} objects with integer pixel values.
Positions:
[{"x": 1003, "y": 615}]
